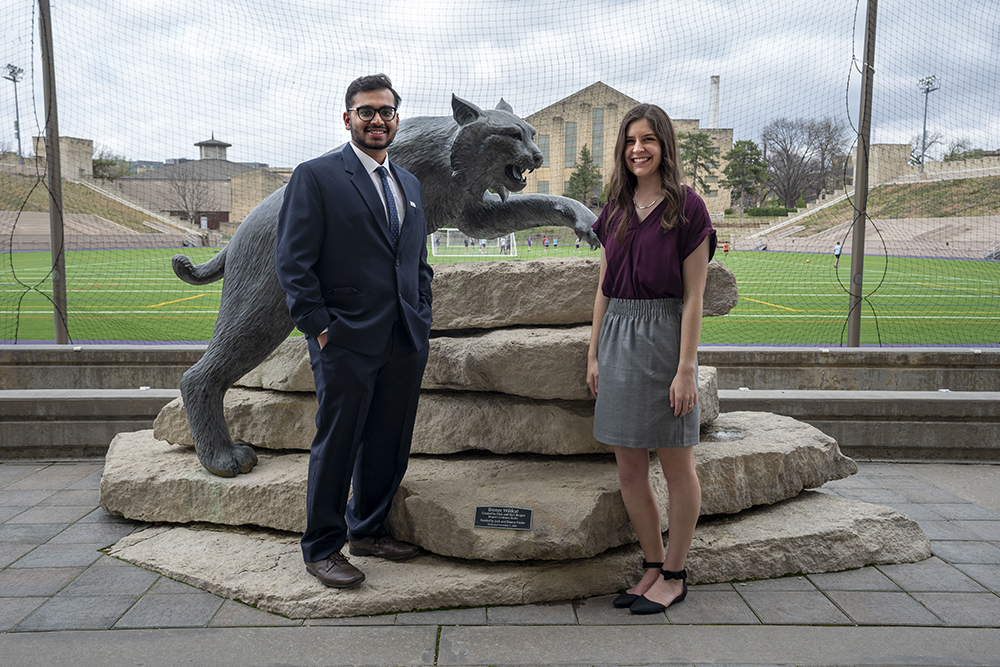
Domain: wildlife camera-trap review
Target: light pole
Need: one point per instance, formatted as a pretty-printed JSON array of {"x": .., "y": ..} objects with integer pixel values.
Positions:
[
  {"x": 15, "y": 74},
  {"x": 928, "y": 84}
]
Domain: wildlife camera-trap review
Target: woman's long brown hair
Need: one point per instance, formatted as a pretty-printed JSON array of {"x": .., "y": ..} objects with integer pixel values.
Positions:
[{"x": 623, "y": 182}]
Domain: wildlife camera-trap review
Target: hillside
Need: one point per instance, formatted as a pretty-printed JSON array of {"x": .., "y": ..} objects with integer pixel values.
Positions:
[
  {"x": 27, "y": 193},
  {"x": 935, "y": 199}
]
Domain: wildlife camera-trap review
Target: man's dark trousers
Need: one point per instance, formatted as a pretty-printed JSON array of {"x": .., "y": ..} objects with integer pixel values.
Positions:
[{"x": 385, "y": 384}]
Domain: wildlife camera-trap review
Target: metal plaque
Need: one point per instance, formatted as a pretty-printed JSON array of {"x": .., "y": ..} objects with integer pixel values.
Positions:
[{"x": 510, "y": 518}]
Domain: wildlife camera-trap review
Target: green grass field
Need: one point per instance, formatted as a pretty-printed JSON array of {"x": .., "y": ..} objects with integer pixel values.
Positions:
[{"x": 785, "y": 298}]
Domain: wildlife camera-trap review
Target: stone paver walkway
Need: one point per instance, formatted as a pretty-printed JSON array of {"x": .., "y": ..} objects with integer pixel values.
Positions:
[{"x": 53, "y": 576}]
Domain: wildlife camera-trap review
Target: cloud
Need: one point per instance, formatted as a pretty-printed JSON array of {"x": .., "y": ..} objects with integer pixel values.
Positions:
[{"x": 149, "y": 78}]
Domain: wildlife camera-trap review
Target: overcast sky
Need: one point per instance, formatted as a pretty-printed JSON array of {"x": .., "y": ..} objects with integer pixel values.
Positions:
[{"x": 149, "y": 78}]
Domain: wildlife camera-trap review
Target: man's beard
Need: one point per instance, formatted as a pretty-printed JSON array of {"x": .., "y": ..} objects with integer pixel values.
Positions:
[{"x": 361, "y": 139}]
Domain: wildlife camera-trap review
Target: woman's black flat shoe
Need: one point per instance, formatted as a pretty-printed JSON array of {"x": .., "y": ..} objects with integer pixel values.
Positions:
[
  {"x": 644, "y": 605},
  {"x": 625, "y": 600}
]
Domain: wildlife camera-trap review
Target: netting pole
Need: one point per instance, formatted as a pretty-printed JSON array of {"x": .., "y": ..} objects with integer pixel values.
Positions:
[
  {"x": 53, "y": 172},
  {"x": 861, "y": 183}
]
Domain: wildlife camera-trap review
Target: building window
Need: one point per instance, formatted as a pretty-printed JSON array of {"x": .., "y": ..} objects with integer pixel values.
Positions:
[
  {"x": 711, "y": 179},
  {"x": 543, "y": 145},
  {"x": 711, "y": 193},
  {"x": 543, "y": 187},
  {"x": 597, "y": 137},
  {"x": 570, "y": 145}
]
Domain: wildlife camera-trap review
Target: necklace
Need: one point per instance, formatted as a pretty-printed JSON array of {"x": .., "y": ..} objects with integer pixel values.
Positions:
[{"x": 641, "y": 208}]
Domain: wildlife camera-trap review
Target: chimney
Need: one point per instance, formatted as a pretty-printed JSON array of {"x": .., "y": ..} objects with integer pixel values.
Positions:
[{"x": 713, "y": 104}]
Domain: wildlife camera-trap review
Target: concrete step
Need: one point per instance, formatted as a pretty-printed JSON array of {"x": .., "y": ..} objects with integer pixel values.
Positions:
[
  {"x": 854, "y": 369},
  {"x": 893, "y": 425},
  {"x": 95, "y": 366},
  {"x": 73, "y": 423}
]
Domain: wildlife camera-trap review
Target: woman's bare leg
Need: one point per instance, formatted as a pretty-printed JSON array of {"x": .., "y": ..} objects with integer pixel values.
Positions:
[
  {"x": 643, "y": 509},
  {"x": 685, "y": 505}
]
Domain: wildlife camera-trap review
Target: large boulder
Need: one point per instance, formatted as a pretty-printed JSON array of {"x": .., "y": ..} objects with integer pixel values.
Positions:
[
  {"x": 285, "y": 369},
  {"x": 490, "y": 295},
  {"x": 721, "y": 294},
  {"x": 262, "y": 418},
  {"x": 446, "y": 422},
  {"x": 151, "y": 480},
  {"x": 814, "y": 532},
  {"x": 543, "y": 292},
  {"x": 745, "y": 459},
  {"x": 537, "y": 363},
  {"x": 494, "y": 295}
]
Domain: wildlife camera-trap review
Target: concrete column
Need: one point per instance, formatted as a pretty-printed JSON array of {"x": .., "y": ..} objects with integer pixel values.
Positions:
[{"x": 713, "y": 104}]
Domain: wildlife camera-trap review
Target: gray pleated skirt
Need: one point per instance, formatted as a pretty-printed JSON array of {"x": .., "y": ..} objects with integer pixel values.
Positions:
[{"x": 637, "y": 354}]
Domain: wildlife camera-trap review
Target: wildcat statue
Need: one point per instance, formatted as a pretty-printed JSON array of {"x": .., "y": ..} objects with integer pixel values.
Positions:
[{"x": 457, "y": 161}]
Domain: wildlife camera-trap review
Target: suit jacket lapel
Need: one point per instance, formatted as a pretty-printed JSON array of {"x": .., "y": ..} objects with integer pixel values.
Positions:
[
  {"x": 408, "y": 196},
  {"x": 366, "y": 188}
]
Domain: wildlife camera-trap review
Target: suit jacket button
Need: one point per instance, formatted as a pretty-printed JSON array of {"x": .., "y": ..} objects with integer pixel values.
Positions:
[{"x": 397, "y": 262}]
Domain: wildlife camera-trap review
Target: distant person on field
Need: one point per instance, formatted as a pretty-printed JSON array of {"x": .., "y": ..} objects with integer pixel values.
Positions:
[
  {"x": 545, "y": 244},
  {"x": 836, "y": 256},
  {"x": 725, "y": 249}
]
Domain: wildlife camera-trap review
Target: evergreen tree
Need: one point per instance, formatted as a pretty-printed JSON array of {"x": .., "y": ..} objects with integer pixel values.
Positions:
[
  {"x": 584, "y": 179},
  {"x": 746, "y": 171},
  {"x": 698, "y": 157}
]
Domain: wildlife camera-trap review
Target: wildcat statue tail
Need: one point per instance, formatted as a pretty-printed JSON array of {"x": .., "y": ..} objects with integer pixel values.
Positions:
[{"x": 200, "y": 274}]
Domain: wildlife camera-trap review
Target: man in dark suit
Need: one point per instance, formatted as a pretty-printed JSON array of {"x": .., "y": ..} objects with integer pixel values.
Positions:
[{"x": 352, "y": 259}]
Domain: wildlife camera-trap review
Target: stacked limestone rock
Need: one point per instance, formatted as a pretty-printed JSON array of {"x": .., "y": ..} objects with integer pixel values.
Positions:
[{"x": 505, "y": 420}]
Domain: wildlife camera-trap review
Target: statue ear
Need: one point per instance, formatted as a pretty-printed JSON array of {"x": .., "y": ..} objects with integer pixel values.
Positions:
[
  {"x": 503, "y": 106},
  {"x": 464, "y": 112}
]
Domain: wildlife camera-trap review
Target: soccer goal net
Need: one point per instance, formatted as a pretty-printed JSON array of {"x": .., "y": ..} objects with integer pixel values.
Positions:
[{"x": 449, "y": 242}]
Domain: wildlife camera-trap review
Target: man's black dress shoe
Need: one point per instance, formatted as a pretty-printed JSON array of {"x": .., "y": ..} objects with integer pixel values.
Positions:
[
  {"x": 625, "y": 599},
  {"x": 383, "y": 546},
  {"x": 646, "y": 606},
  {"x": 336, "y": 571}
]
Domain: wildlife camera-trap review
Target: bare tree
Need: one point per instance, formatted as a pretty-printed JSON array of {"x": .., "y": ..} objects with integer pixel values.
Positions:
[
  {"x": 962, "y": 149},
  {"x": 934, "y": 140},
  {"x": 190, "y": 196},
  {"x": 829, "y": 140},
  {"x": 801, "y": 155},
  {"x": 790, "y": 157}
]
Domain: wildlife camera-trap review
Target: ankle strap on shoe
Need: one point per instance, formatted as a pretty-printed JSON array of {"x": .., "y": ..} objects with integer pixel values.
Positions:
[
  {"x": 647, "y": 565},
  {"x": 667, "y": 574}
]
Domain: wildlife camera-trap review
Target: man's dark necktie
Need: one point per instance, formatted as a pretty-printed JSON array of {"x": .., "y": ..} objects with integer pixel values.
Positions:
[{"x": 390, "y": 204}]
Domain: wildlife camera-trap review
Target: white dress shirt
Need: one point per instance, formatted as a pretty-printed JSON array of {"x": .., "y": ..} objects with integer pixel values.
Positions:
[{"x": 370, "y": 165}]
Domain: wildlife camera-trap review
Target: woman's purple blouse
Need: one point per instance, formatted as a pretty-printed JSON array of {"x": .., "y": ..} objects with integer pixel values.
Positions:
[{"x": 648, "y": 264}]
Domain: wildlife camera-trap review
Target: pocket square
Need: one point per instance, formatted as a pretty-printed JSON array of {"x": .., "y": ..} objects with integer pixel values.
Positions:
[{"x": 413, "y": 205}]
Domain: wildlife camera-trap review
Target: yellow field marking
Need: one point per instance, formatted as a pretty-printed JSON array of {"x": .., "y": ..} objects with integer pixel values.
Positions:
[
  {"x": 165, "y": 303},
  {"x": 770, "y": 304}
]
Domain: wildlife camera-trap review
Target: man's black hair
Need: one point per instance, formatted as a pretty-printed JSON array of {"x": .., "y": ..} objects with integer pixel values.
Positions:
[{"x": 368, "y": 83}]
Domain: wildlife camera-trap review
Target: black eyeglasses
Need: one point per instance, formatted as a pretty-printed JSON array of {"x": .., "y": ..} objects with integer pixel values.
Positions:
[{"x": 367, "y": 113}]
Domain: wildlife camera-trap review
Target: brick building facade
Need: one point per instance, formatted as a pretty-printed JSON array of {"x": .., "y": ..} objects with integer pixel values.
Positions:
[{"x": 591, "y": 117}]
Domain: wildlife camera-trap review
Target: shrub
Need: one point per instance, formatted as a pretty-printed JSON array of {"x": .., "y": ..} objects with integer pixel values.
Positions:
[{"x": 768, "y": 212}]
